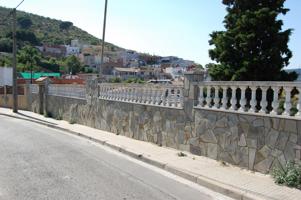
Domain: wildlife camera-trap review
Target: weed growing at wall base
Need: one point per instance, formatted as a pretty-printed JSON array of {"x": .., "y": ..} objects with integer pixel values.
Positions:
[{"x": 289, "y": 176}]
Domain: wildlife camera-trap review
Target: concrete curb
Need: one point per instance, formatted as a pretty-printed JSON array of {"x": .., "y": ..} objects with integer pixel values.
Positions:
[{"x": 214, "y": 185}]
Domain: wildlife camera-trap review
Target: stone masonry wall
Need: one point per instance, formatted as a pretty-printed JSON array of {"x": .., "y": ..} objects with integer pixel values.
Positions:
[
  {"x": 254, "y": 142},
  {"x": 162, "y": 126}
]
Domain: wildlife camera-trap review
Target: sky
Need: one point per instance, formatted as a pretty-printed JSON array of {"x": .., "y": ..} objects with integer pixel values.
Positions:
[{"x": 162, "y": 27}]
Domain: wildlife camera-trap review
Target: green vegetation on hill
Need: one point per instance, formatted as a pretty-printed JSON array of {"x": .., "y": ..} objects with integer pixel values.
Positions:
[{"x": 34, "y": 29}]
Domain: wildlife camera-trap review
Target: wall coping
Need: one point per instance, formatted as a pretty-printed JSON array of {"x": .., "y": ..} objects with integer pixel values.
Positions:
[
  {"x": 168, "y": 107},
  {"x": 250, "y": 83},
  {"x": 247, "y": 113}
]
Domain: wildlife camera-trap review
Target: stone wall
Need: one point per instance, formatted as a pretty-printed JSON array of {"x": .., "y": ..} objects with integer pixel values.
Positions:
[
  {"x": 162, "y": 126},
  {"x": 255, "y": 142}
]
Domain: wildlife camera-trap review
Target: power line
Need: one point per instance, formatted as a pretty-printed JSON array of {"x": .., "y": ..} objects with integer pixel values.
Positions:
[
  {"x": 9, "y": 14},
  {"x": 19, "y": 4}
]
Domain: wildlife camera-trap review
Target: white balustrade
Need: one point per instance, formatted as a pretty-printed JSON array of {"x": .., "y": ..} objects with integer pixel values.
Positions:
[
  {"x": 247, "y": 102},
  {"x": 166, "y": 96},
  {"x": 71, "y": 91}
]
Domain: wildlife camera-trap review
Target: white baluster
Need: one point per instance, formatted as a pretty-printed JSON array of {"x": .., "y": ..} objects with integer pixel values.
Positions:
[
  {"x": 123, "y": 93},
  {"x": 287, "y": 104},
  {"x": 128, "y": 95},
  {"x": 117, "y": 93},
  {"x": 149, "y": 96},
  {"x": 164, "y": 92},
  {"x": 216, "y": 97},
  {"x": 134, "y": 95},
  {"x": 233, "y": 98},
  {"x": 298, "y": 114},
  {"x": 112, "y": 90},
  {"x": 139, "y": 95},
  {"x": 243, "y": 99},
  {"x": 159, "y": 97},
  {"x": 208, "y": 97},
  {"x": 104, "y": 93},
  {"x": 225, "y": 98},
  {"x": 253, "y": 99},
  {"x": 275, "y": 103},
  {"x": 101, "y": 91},
  {"x": 144, "y": 95},
  {"x": 201, "y": 96},
  {"x": 170, "y": 98},
  {"x": 263, "y": 103},
  {"x": 137, "y": 92},
  {"x": 154, "y": 96},
  {"x": 181, "y": 98}
]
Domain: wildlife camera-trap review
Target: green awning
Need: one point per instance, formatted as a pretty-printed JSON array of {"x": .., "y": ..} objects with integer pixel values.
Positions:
[{"x": 26, "y": 75}]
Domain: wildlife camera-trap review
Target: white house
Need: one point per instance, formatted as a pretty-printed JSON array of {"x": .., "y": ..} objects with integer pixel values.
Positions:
[
  {"x": 6, "y": 76},
  {"x": 70, "y": 50}
]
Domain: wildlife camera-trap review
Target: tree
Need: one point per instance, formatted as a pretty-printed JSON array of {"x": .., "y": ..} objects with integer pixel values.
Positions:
[
  {"x": 24, "y": 36},
  {"x": 24, "y": 22},
  {"x": 6, "y": 45},
  {"x": 65, "y": 25},
  {"x": 73, "y": 65},
  {"x": 254, "y": 46},
  {"x": 29, "y": 56}
]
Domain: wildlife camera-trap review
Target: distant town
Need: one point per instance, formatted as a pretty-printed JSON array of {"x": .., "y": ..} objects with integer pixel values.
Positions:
[{"x": 119, "y": 65}]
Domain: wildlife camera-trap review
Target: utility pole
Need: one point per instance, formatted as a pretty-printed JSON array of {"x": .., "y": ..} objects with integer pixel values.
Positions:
[
  {"x": 103, "y": 39},
  {"x": 15, "y": 86}
]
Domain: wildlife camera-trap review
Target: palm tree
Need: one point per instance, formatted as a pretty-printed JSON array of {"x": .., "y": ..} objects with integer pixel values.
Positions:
[{"x": 29, "y": 56}]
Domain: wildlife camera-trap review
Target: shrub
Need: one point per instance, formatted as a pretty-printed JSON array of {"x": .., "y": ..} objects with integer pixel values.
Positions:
[
  {"x": 115, "y": 80},
  {"x": 181, "y": 154},
  {"x": 289, "y": 176},
  {"x": 48, "y": 115}
]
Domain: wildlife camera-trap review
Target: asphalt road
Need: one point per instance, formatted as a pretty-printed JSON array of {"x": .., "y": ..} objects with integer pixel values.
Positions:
[{"x": 38, "y": 163}]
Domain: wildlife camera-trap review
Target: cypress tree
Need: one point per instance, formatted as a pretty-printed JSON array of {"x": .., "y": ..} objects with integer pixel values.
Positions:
[{"x": 253, "y": 47}]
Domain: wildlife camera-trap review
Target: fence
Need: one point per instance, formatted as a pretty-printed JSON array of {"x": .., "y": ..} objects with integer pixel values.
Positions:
[
  {"x": 271, "y": 98},
  {"x": 71, "y": 91},
  {"x": 165, "y": 96}
]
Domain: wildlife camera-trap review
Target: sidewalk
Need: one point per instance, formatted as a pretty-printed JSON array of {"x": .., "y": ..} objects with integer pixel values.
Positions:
[{"x": 228, "y": 180}]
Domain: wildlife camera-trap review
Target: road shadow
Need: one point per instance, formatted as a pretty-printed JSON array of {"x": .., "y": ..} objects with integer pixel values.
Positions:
[{"x": 29, "y": 118}]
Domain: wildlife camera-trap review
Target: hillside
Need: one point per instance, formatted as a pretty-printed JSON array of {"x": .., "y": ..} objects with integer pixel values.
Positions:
[{"x": 46, "y": 30}]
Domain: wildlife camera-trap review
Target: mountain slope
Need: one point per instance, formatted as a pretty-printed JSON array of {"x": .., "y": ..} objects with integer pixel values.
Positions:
[{"x": 47, "y": 30}]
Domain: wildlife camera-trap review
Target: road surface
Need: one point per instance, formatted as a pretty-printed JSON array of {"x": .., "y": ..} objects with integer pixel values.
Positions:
[{"x": 38, "y": 163}]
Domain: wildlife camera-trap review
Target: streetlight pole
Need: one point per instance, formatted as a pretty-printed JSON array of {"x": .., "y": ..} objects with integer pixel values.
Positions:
[
  {"x": 15, "y": 87},
  {"x": 103, "y": 39}
]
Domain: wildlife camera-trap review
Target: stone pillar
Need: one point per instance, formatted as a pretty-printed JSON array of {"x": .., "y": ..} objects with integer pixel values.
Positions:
[
  {"x": 28, "y": 95},
  {"x": 191, "y": 91},
  {"x": 41, "y": 98},
  {"x": 45, "y": 96}
]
